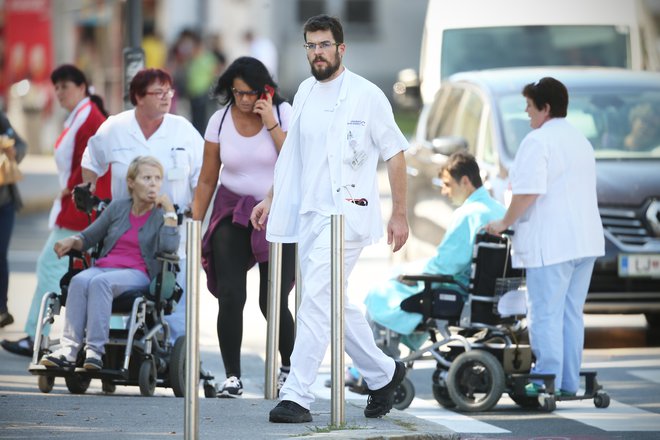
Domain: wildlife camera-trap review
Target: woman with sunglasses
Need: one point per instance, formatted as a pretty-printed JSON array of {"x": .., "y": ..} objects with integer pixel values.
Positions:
[{"x": 245, "y": 137}]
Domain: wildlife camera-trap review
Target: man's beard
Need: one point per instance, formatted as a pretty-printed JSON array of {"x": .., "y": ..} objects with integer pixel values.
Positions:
[{"x": 326, "y": 72}]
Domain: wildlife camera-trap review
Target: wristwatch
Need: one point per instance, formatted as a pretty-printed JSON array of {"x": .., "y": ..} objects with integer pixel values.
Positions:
[{"x": 171, "y": 215}]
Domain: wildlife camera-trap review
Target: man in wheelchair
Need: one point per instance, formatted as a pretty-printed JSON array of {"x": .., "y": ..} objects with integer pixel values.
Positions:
[
  {"x": 462, "y": 184},
  {"x": 133, "y": 232}
]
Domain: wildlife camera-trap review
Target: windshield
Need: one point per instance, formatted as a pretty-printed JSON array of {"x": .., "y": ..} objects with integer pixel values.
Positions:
[
  {"x": 619, "y": 124},
  {"x": 513, "y": 46}
]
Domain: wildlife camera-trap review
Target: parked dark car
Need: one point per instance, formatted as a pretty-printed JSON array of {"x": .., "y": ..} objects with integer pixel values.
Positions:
[{"x": 617, "y": 110}]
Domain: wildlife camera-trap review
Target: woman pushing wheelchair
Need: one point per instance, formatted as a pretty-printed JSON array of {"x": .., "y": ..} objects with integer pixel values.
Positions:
[{"x": 133, "y": 232}]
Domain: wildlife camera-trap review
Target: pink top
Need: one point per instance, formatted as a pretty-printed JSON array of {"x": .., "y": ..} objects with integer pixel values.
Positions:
[
  {"x": 127, "y": 254},
  {"x": 248, "y": 162}
]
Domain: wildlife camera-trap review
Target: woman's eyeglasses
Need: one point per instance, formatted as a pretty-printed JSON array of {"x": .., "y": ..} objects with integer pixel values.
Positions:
[
  {"x": 241, "y": 93},
  {"x": 169, "y": 93}
]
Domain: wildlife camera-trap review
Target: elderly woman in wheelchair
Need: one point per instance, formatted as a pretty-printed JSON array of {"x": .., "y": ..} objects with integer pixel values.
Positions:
[{"x": 133, "y": 231}]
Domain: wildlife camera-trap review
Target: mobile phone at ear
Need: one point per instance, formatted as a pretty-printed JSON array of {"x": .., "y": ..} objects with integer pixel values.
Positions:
[{"x": 267, "y": 89}]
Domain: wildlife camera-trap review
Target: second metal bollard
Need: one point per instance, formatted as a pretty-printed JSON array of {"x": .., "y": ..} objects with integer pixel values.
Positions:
[
  {"x": 273, "y": 318},
  {"x": 337, "y": 410},
  {"x": 193, "y": 265}
]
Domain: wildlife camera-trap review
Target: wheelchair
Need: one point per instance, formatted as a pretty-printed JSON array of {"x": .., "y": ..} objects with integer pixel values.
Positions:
[
  {"x": 139, "y": 354},
  {"x": 478, "y": 338}
]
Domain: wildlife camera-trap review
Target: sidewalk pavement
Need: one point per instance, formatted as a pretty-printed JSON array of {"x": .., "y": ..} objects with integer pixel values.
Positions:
[{"x": 27, "y": 413}]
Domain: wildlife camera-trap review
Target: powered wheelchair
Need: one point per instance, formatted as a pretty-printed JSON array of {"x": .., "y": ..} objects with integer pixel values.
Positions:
[
  {"x": 477, "y": 336},
  {"x": 141, "y": 352}
]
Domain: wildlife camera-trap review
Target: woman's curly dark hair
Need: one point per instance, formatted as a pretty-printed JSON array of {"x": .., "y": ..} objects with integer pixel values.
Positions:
[{"x": 250, "y": 70}]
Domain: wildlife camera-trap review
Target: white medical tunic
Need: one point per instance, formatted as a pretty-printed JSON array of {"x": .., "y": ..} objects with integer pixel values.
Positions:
[
  {"x": 556, "y": 162},
  {"x": 176, "y": 144}
]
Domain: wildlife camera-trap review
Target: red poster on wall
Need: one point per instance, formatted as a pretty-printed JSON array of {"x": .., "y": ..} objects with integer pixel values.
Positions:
[{"x": 28, "y": 44}]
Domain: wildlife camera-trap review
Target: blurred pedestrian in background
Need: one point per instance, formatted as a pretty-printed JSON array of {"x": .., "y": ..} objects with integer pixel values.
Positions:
[
  {"x": 86, "y": 114},
  {"x": 150, "y": 130},
  {"x": 558, "y": 232},
  {"x": 245, "y": 138},
  {"x": 263, "y": 49},
  {"x": 13, "y": 150}
]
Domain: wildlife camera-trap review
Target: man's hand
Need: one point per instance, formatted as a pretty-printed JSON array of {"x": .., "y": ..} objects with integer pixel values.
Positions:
[
  {"x": 397, "y": 231},
  {"x": 260, "y": 212},
  {"x": 495, "y": 227}
]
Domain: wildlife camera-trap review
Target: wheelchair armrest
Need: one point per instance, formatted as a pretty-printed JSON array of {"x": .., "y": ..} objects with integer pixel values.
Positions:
[{"x": 432, "y": 278}]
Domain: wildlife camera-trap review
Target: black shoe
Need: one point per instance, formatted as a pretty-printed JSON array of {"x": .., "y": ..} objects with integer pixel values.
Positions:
[
  {"x": 93, "y": 363},
  {"x": 380, "y": 401},
  {"x": 289, "y": 412},
  {"x": 6, "y": 319},
  {"x": 22, "y": 347},
  {"x": 52, "y": 361}
]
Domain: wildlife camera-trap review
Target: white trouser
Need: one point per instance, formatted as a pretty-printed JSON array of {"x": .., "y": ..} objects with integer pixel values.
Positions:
[
  {"x": 89, "y": 305},
  {"x": 555, "y": 301},
  {"x": 313, "y": 319}
]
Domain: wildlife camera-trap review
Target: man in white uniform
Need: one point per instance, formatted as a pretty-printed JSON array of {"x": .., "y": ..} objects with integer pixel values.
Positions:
[
  {"x": 558, "y": 232},
  {"x": 150, "y": 130},
  {"x": 341, "y": 125}
]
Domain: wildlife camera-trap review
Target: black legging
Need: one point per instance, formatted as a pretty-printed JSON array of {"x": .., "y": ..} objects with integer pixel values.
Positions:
[{"x": 231, "y": 253}]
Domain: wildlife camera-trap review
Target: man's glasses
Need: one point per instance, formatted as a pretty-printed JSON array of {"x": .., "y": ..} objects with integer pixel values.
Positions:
[
  {"x": 241, "y": 93},
  {"x": 323, "y": 45},
  {"x": 169, "y": 93}
]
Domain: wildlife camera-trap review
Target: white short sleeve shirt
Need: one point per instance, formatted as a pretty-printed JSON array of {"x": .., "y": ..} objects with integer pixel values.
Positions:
[{"x": 556, "y": 162}]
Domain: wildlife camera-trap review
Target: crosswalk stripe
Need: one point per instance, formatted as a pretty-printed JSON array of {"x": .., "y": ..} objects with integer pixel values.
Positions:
[
  {"x": 430, "y": 410},
  {"x": 650, "y": 375},
  {"x": 617, "y": 417}
]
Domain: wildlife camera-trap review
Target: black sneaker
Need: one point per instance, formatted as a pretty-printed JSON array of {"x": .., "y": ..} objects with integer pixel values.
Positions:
[
  {"x": 380, "y": 401},
  {"x": 22, "y": 347},
  {"x": 232, "y": 387},
  {"x": 289, "y": 412},
  {"x": 93, "y": 363},
  {"x": 53, "y": 361}
]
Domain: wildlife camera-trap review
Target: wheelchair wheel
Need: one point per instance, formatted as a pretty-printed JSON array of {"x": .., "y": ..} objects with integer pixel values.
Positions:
[
  {"x": 601, "y": 400},
  {"x": 526, "y": 402},
  {"x": 475, "y": 381},
  {"x": 147, "y": 378},
  {"x": 77, "y": 384},
  {"x": 404, "y": 394},
  {"x": 209, "y": 390},
  {"x": 46, "y": 383},
  {"x": 177, "y": 367},
  {"x": 439, "y": 388},
  {"x": 108, "y": 386}
]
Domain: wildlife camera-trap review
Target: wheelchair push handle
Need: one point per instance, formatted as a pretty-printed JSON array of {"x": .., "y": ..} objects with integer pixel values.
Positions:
[{"x": 87, "y": 202}]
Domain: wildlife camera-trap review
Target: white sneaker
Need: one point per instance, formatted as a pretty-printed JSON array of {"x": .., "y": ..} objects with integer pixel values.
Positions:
[{"x": 232, "y": 387}]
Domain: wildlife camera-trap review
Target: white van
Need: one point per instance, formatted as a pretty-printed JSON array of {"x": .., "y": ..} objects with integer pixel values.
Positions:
[{"x": 463, "y": 35}]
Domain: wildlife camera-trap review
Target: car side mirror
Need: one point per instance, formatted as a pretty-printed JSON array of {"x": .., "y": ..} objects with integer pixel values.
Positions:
[{"x": 448, "y": 145}]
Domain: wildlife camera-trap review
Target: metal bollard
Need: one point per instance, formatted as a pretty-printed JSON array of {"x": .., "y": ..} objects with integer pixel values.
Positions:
[
  {"x": 193, "y": 265},
  {"x": 273, "y": 321},
  {"x": 337, "y": 411}
]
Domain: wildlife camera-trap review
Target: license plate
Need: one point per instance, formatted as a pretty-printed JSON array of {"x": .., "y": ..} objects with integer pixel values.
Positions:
[{"x": 640, "y": 265}]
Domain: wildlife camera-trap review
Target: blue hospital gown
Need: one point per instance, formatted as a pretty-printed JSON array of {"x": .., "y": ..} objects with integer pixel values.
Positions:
[{"x": 453, "y": 257}]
